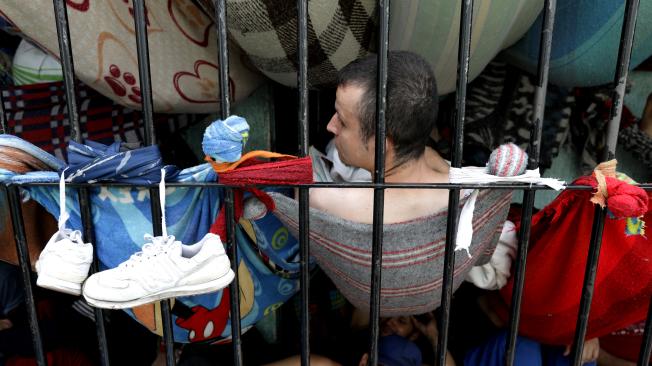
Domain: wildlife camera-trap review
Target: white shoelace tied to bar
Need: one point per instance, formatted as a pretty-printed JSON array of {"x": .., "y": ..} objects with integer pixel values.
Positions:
[
  {"x": 470, "y": 175},
  {"x": 161, "y": 195},
  {"x": 73, "y": 235},
  {"x": 156, "y": 244},
  {"x": 63, "y": 212}
]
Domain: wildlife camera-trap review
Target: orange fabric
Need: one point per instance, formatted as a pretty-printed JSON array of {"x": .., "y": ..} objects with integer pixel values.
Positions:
[{"x": 226, "y": 167}]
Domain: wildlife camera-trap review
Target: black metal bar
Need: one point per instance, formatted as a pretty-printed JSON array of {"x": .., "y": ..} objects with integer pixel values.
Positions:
[
  {"x": 166, "y": 314},
  {"x": 534, "y": 153},
  {"x": 3, "y": 117},
  {"x": 22, "y": 250},
  {"x": 620, "y": 79},
  {"x": 65, "y": 53},
  {"x": 223, "y": 58},
  {"x": 89, "y": 236},
  {"x": 234, "y": 287},
  {"x": 589, "y": 282},
  {"x": 510, "y": 186},
  {"x": 142, "y": 49},
  {"x": 463, "y": 57},
  {"x": 646, "y": 344},
  {"x": 379, "y": 177},
  {"x": 225, "y": 109},
  {"x": 304, "y": 219}
]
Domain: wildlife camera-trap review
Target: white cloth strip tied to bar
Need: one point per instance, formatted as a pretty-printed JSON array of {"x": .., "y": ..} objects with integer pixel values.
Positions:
[
  {"x": 506, "y": 159},
  {"x": 474, "y": 174}
]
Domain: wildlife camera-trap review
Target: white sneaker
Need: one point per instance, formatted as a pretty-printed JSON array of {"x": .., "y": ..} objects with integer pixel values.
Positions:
[
  {"x": 164, "y": 268},
  {"x": 64, "y": 262}
]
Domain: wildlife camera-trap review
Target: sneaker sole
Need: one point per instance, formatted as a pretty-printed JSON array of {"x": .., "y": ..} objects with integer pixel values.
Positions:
[
  {"x": 55, "y": 284},
  {"x": 189, "y": 290}
]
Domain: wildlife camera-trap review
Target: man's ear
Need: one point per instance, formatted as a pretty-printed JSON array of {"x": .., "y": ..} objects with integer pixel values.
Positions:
[{"x": 389, "y": 144}]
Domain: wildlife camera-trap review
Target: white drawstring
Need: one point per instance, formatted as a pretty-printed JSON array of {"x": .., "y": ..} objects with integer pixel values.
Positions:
[
  {"x": 471, "y": 174},
  {"x": 161, "y": 195},
  {"x": 63, "y": 213}
]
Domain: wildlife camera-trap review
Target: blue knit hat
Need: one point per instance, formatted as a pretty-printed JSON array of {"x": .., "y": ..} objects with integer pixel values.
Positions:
[{"x": 394, "y": 350}]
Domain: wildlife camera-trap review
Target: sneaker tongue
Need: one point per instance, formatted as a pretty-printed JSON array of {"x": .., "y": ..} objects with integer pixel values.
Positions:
[{"x": 175, "y": 248}]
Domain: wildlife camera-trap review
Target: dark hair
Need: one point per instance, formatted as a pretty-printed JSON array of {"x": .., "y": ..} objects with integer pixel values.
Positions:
[{"x": 412, "y": 102}]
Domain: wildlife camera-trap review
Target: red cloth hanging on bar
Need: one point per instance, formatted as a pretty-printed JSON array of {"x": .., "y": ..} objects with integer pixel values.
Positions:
[
  {"x": 559, "y": 246},
  {"x": 250, "y": 171}
]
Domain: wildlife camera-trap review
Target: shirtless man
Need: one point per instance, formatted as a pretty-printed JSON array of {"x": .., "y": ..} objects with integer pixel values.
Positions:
[{"x": 411, "y": 114}]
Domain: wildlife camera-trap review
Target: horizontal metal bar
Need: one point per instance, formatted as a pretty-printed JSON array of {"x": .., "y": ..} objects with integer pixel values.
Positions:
[{"x": 508, "y": 186}]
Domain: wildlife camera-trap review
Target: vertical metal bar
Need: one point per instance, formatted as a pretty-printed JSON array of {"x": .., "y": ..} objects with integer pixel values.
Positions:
[
  {"x": 533, "y": 163},
  {"x": 3, "y": 117},
  {"x": 142, "y": 49},
  {"x": 620, "y": 77},
  {"x": 89, "y": 236},
  {"x": 67, "y": 63},
  {"x": 463, "y": 56},
  {"x": 379, "y": 177},
  {"x": 225, "y": 109},
  {"x": 620, "y": 80},
  {"x": 589, "y": 282},
  {"x": 223, "y": 58},
  {"x": 304, "y": 221},
  {"x": 26, "y": 270},
  {"x": 646, "y": 345},
  {"x": 234, "y": 287},
  {"x": 166, "y": 314},
  {"x": 65, "y": 53}
]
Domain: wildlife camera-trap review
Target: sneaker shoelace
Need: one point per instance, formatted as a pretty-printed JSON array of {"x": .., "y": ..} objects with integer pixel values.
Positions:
[
  {"x": 74, "y": 236},
  {"x": 157, "y": 245}
]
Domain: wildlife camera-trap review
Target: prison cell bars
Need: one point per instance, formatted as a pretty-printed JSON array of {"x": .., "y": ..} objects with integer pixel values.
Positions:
[
  {"x": 140, "y": 23},
  {"x": 534, "y": 153},
  {"x": 225, "y": 110},
  {"x": 379, "y": 179},
  {"x": 620, "y": 79},
  {"x": 463, "y": 56},
  {"x": 378, "y": 185},
  {"x": 304, "y": 219},
  {"x": 68, "y": 70}
]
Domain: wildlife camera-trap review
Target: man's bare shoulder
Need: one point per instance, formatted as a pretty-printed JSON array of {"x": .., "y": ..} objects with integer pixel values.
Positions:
[{"x": 348, "y": 203}]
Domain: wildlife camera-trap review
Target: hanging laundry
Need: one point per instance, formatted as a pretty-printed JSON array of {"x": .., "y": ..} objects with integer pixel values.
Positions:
[
  {"x": 122, "y": 215},
  {"x": 559, "y": 243}
]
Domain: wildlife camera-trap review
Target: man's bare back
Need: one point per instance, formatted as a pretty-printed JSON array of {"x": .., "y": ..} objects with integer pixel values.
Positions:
[{"x": 401, "y": 204}]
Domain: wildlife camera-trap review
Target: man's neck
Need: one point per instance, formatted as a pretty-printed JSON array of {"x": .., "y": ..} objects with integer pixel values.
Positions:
[{"x": 419, "y": 170}]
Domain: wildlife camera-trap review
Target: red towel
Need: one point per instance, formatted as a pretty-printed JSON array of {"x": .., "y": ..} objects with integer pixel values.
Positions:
[{"x": 253, "y": 171}]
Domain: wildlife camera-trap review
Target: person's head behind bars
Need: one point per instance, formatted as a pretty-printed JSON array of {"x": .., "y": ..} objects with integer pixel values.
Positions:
[{"x": 411, "y": 110}]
